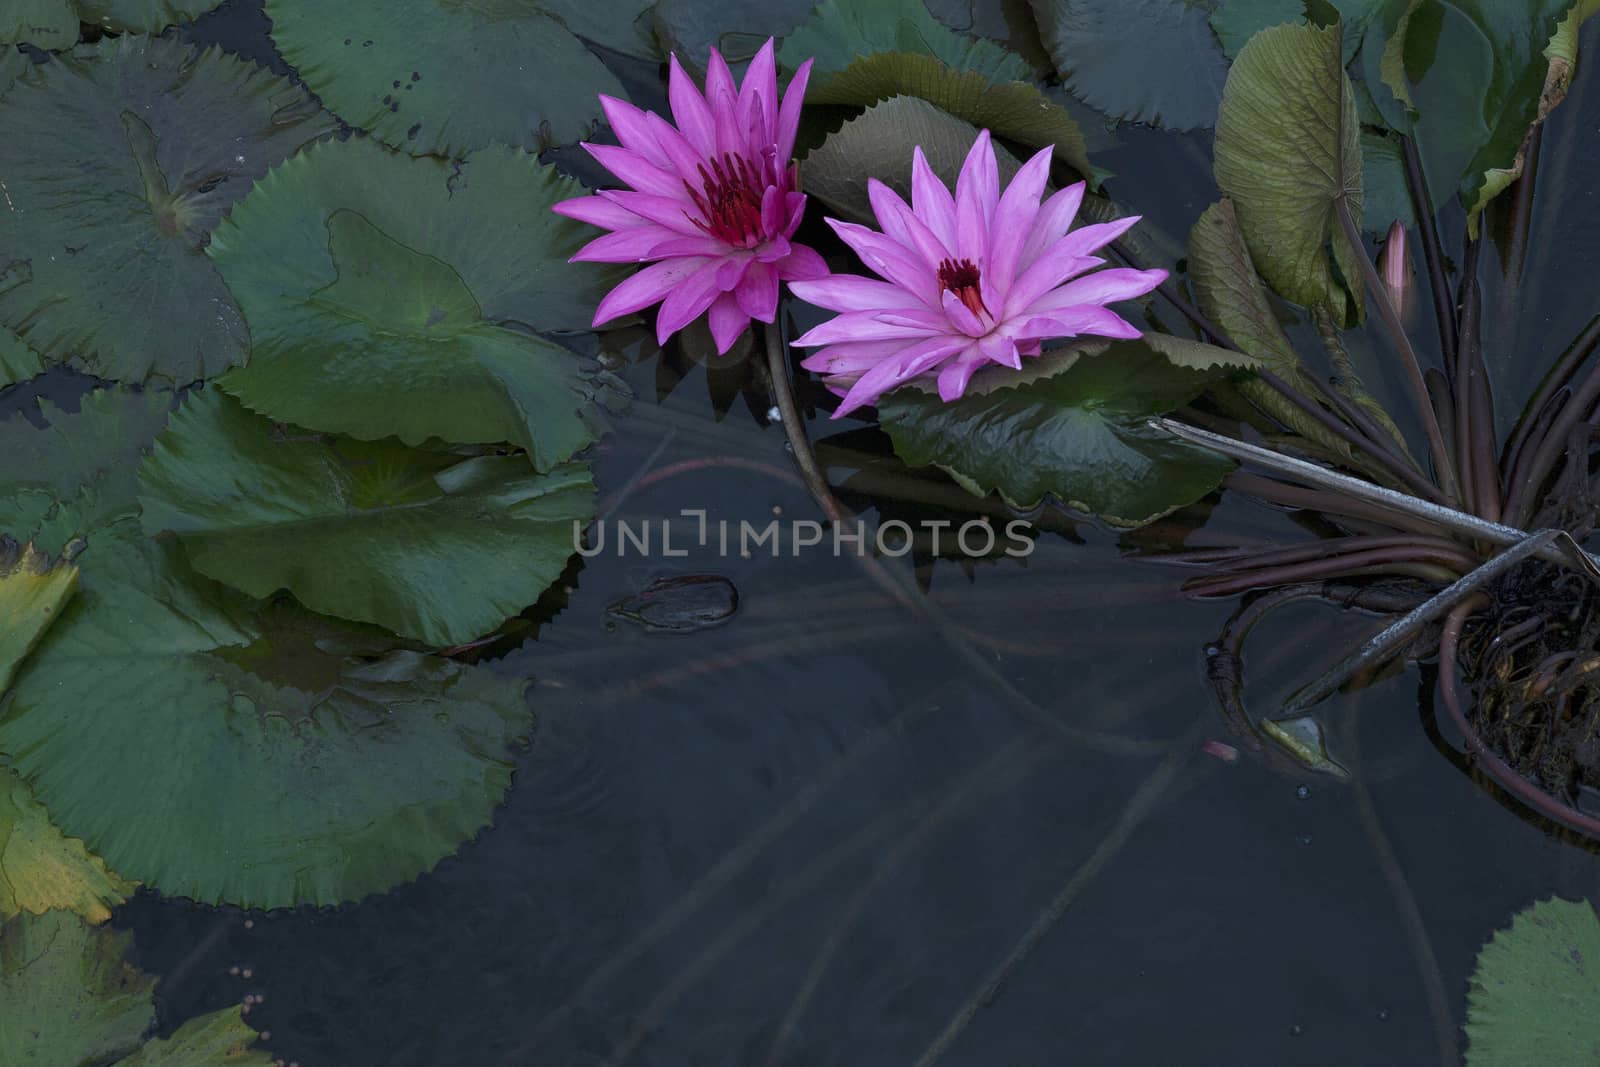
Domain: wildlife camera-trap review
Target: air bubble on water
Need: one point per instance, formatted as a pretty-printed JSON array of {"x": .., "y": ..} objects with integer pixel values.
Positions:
[
  {"x": 1302, "y": 791},
  {"x": 774, "y": 415},
  {"x": 1296, "y": 1030},
  {"x": 1383, "y": 1015},
  {"x": 1304, "y": 840}
]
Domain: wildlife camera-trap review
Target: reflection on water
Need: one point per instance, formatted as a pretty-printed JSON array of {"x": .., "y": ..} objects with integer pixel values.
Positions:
[{"x": 814, "y": 835}]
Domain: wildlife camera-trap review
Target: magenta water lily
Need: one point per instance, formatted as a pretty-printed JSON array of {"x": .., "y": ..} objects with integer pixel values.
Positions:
[
  {"x": 975, "y": 279},
  {"x": 712, "y": 202}
]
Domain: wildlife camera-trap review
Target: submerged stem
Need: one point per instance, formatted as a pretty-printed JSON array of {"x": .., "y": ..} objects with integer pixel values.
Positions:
[{"x": 1422, "y": 207}]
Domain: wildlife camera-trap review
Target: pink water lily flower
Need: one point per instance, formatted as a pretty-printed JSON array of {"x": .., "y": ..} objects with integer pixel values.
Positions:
[
  {"x": 712, "y": 203},
  {"x": 971, "y": 280}
]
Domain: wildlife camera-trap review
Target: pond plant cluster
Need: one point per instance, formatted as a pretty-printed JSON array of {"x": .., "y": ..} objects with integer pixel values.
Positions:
[{"x": 331, "y": 444}]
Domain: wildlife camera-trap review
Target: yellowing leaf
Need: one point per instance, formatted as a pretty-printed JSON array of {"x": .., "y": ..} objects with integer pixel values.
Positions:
[
  {"x": 32, "y": 592},
  {"x": 41, "y": 869}
]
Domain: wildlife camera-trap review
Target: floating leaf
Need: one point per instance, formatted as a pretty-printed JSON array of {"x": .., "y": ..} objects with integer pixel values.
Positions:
[
  {"x": 53, "y": 24},
  {"x": 620, "y": 25},
  {"x": 738, "y": 28},
  {"x": 1229, "y": 291},
  {"x": 18, "y": 362},
  {"x": 1385, "y": 199},
  {"x": 1080, "y": 433},
  {"x": 32, "y": 590},
  {"x": 1304, "y": 738},
  {"x": 1153, "y": 61},
  {"x": 433, "y": 546},
  {"x": 447, "y": 76},
  {"x": 118, "y": 161},
  {"x": 1197, "y": 355},
  {"x": 879, "y": 143},
  {"x": 214, "y": 747},
  {"x": 221, "y": 1039},
  {"x": 1014, "y": 110},
  {"x": 1236, "y": 21},
  {"x": 41, "y": 869},
  {"x": 1535, "y": 993},
  {"x": 1475, "y": 74},
  {"x": 66, "y": 996},
  {"x": 840, "y": 31},
  {"x": 13, "y": 64},
  {"x": 395, "y": 296},
  {"x": 1287, "y": 151}
]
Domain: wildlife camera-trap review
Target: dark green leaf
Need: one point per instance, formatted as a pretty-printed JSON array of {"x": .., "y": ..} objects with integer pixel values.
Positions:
[
  {"x": 839, "y": 31},
  {"x": 1229, "y": 291},
  {"x": 738, "y": 28},
  {"x": 221, "y": 1039},
  {"x": 1287, "y": 151},
  {"x": 879, "y": 144},
  {"x": 1153, "y": 61},
  {"x": 118, "y": 161},
  {"x": 18, "y": 362},
  {"x": 1385, "y": 198},
  {"x": 1236, "y": 21},
  {"x": 53, "y": 24},
  {"x": 447, "y": 76},
  {"x": 391, "y": 296},
  {"x": 1014, "y": 110},
  {"x": 433, "y": 546},
  {"x": 1080, "y": 433}
]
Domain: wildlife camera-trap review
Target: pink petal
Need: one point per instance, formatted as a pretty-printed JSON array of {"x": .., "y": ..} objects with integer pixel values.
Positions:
[
  {"x": 687, "y": 301},
  {"x": 862, "y": 326},
  {"x": 597, "y": 211},
  {"x": 802, "y": 264},
  {"x": 1087, "y": 318},
  {"x": 894, "y": 372},
  {"x": 851, "y": 292},
  {"x": 723, "y": 99},
  {"x": 699, "y": 245},
  {"x": 956, "y": 374},
  {"x": 632, "y": 128},
  {"x": 682, "y": 157},
  {"x": 668, "y": 211},
  {"x": 960, "y": 316},
  {"x": 794, "y": 204},
  {"x": 977, "y": 193},
  {"x": 1052, "y": 223},
  {"x": 889, "y": 260},
  {"x": 732, "y": 271},
  {"x": 1101, "y": 287},
  {"x": 637, "y": 171},
  {"x": 998, "y": 348},
  {"x": 932, "y": 201},
  {"x": 1058, "y": 264},
  {"x": 853, "y": 357},
  {"x": 690, "y": 110},
  {"x": 727, "y": 322},
  {"x": 789, "y": 115},
  {"x": 648, "y": 286},
  {"x": 772, "y": 209},
  {"x": 758, "y": 96},
  {"x": 757, "y": 292},
  {"x": 633, "y": 245},
  {"x": 1014, "y": 219},
  {"x": 902, "y": 225},
  {"x": 773, "y": 250}
]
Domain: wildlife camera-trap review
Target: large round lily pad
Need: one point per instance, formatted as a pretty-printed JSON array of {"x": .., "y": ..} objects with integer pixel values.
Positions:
[
  {"x": 447, "y": 76},
  {"x": 214, "y": 747},
  {"x": 118, "y": 161},
  {"x": 395, "y": 296},
  {"x": 431, "y": 545}
]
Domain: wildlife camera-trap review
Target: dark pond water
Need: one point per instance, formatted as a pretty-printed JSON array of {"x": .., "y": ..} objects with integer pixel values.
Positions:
[{"x": 813, "y": 836}]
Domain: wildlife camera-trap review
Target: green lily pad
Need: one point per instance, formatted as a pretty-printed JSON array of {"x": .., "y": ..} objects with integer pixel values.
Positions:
[
  {"x": 1078, "y": 432},
  {"x": 391, "y": 296},
  {"x": 18, "y": 362},
  {"x": 1466, "y": 78},
  {"x": 13, "y": 64},
  {"x": 841, "y": 31},
  {"x": 81, "y": 470},
  {"x": 1153, "y": 61},
  {"x": 119, "y": 159},
  {"x": 621, "y": 25},
  {"x": 43, "y": 870},
  {"x": 445, "y": 77},
  {"x": 431, "y": 545},
  {"x": 879, "y": 143},
  {"x": 1014, "y": 110},
  {"x": 737, "y": 28},
  {"x": 215, "y": 747},
  {"x": 221, "y": 1039},
  {"x": 1236, "y": 21},
  {"x": 32, "y": 590},
  {"x": 1287, "y": 151},
  {"x": 1535, "y": 993},
  {"x": 1385, "y": 199},
  {"x": 53, "y": 24},
  {"x": 67, "y": 997},
  {"x": 1229, "y": 290}
]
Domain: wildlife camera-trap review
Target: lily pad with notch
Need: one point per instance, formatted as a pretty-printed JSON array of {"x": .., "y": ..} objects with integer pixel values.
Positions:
[{"x": 119, "y": 159}]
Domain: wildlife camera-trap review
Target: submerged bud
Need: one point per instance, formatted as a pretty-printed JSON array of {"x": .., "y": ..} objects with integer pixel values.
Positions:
[{"x": 1394, "y": 266}]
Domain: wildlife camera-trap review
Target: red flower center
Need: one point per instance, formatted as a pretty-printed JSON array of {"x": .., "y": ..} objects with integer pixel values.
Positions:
[
  {"x": 961, "y": 278},
  {"x": 730, "y": 202}
]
